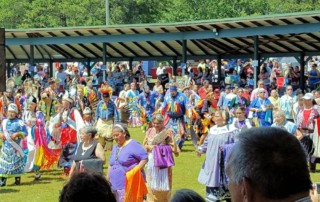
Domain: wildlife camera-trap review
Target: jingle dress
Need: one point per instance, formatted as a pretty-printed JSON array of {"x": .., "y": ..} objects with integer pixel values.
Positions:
[{"x": 12, "y": 156}]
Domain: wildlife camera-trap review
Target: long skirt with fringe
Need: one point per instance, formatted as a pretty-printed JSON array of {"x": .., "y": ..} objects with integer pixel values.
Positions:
[{"x": 159, "y": 182}]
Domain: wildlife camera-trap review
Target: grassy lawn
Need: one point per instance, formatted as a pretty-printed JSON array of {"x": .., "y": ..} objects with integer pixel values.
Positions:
[
  {"x": 47, "y": 189},
  {"x": 185, "y": 174}
]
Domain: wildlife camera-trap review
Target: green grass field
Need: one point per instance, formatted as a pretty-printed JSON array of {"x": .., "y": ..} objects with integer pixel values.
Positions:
[{"x": 185, "y": 174}]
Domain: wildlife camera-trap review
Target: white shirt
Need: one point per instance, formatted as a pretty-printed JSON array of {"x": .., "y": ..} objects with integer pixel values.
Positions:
[
  {"x": 37, "y": 77},
  {"x": 160, "y": 70},
  {"x": 123, "y": 95},
  {"x": 70, "y": 72}
]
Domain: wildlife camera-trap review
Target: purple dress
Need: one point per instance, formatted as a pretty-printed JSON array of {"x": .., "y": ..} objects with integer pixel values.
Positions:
[{"x": 123, "y": 160}]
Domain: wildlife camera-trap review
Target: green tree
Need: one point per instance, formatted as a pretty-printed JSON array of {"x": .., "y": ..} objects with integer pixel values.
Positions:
[
  {"x": 64, "y": 13},
  {"x": 69, "y": 13},
  {"x": 12, "y": 13},
  {"x": 136, "y": 11}
]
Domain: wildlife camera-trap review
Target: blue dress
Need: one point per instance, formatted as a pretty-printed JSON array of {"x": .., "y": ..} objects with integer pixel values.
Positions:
[
  {"x": 11, "y": 161},
  {"x": 288, "y": 126},
  {"x": 132, "y": 99},
  {"x": 264, "y": 117},
  {"x": 148, "y": 102}
]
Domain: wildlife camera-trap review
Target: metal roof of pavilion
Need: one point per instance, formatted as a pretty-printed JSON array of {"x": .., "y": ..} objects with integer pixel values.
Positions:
[{"x": 286, "y": 33}]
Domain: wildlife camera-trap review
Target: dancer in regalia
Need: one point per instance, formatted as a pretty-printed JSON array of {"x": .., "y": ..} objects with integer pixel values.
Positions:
[
  {"x": 12, "y": 132},
  {"x": 48, "y": 106},
  {"x": 174, "y": 107},
  {"x": 217, "y": 146},
  {"x": 147, "y": 100},
  {"x": 29, "y": 118},
  {"x": 88, "y": 117},
  {"x": 5, "y": 100},
  {"x": 70, "y": 124},
  {"x": 105, "y": 117},
  {"x": 44, "y": 157},
  {"x": 132, "y": 100}
]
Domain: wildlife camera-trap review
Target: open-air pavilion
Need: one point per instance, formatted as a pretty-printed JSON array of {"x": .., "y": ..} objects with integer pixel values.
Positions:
[{"x": 285, "y": 35}]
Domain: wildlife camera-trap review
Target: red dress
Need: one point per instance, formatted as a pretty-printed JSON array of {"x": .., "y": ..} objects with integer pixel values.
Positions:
[{"x": 68, "y": 134}]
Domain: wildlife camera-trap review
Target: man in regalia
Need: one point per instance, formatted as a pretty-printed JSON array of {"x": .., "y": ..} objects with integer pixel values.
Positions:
[
  {"x": 174, "y": 107},
  {"x": 105, "y": 117}
]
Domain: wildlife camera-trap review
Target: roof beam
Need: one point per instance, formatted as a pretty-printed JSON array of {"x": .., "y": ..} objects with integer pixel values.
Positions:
[
  {"x": 219, "y": 44},
  {"x": 200, "y": 47},
  {"x": 313, "y": 45},
  {"x": 56, "y": 48},
  {"x": 125, "y": 46},
  {"x": 14, "y": 56},
  {"x": 165, "y": 43},
  {"x": 223, "y": 33},
  {"x": 96, "y": 45},
  {"x": 224, "y": 56},
  {"x": 179, "y": 42},
  {"x": 205, "y": 43},
  {"x": 45, "y": 50},
  {"x": 30, "y": 35},
  {"x": 188, "y": 49},
  {"x": 111, "y": 46},
  {"x": 265, "y": 44},
  {"x": 83, "y": 46},
  {"x": 39, "y": 52},
  {"x": 69, "y": 46},
  {"x": 140, "y": 46},
  {"x": 21, "y": 46},
  {"x": 130, "y": 49},
  {"x": 151, "y": 44}
]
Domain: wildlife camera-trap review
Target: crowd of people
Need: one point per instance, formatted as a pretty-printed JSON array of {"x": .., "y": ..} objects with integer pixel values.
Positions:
[{"x": 72, "y": 118}]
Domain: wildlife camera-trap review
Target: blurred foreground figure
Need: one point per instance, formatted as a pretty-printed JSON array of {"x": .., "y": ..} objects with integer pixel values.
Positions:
[
  {"x": 84, "y": 187},
  {"x": 268, "y": 164},
  {"x": 186, "y": 195}
]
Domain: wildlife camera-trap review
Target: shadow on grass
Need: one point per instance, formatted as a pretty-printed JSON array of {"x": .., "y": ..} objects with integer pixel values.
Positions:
[
  {"x": 188, "y": 150},
  {"x": 34, "y": 182},
  {"x": 52, "y": 171},
  {"x": 43, "y": 178},
  {"x": 8, "y": 191},
  {"x": 58, "y": 172}
]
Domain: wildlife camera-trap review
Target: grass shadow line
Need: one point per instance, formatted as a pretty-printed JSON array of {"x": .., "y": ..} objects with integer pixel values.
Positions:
[{"x": 8, "y": 191}]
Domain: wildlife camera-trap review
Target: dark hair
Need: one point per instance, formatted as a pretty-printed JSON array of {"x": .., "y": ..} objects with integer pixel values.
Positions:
[
  {"x": 186, "y": 195},
  {"x": 263, "y": 67},
  {"x": 84, "y": 187},
  {"x": 272, "y": 160},
  {"x": 241, "y": 108}
]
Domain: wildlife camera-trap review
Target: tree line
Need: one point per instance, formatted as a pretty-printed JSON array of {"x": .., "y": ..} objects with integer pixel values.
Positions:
[{"x": 69, "y": 13}]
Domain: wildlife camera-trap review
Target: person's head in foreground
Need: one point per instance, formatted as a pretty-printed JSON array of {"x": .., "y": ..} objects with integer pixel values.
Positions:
[
  {"x": 186, "y": 195},
  {"x": 268, "y": 164},
  {"x": 84, "y": 187}
]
